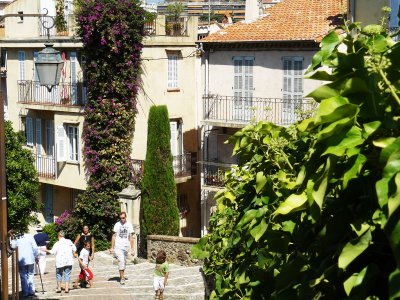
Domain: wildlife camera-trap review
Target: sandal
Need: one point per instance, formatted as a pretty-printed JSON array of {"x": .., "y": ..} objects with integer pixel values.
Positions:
[
  {"x": 58, "y": 290},
  {"x": 66, "y": 291}
]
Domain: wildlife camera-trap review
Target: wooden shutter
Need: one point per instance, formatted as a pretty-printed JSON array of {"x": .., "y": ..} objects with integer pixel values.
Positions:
[
  {"x": 61, "y": 144},
  {"x": 29, "y": 131},
  {"x": 74, "y": 77},
  {"x": 174, "y": 137},
  {"x": 298, "y": 78},
  {"x": 48, "y": 203},
  {"x": 238, "y": 77},
  {"x": 38, "y": 135},
  {"x": 248, "y": 76},
  {"x": 21, "y": 61},
  {"x": 50, "y": 137}
]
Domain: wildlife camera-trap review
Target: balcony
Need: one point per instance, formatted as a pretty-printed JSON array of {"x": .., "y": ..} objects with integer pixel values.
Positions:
[
  {"x": 176, "y": 27},
  {"x": 184, "y": 166},
  {"x": 45, "y": 166},
  {"x": 47, "y": 21},
  {"x": 239, "y": 111},
  {"x": 214, "y": 173},
  {"x": 65, "y": 94}
]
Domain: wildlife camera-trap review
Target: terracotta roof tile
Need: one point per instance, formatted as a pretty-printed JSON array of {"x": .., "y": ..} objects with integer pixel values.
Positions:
[{"x": 289, "y": 20}]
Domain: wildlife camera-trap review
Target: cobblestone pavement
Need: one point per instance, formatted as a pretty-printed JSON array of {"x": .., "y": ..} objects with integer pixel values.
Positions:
[{"x": 183, "y": 283}]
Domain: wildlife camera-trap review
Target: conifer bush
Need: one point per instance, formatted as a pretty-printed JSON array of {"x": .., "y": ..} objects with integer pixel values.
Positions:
[{"x": 160, "y": 214}]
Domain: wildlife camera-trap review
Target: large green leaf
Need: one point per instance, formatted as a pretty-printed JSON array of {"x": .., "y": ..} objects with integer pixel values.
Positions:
[
  {"x": 351, "y": 139},
  {"x": 394, "y": 284},
  {"x": 291, "y": 204},
  {"x": 261, "y": 180},
  {"x": 355, "y": 169},
  {"x": 198, "y": 249},
  {"x": 324, "y": 92},
  {"x": 258, "y": 231},
  {"x": 353, "y": 249}
]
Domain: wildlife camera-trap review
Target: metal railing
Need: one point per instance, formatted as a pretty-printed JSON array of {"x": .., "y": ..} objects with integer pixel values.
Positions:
[
  {"x": 45, "y": 166},
  {"x": 214, "y": 173},
  {"x": 243, "y": 110},
  {"x": 150, "y": 27},
  {"x": 184, "y": 165},
  {"x": 176, "y": 27},
  {"x": 48, "y": 21},
  {"x": 64, "y": 94}
]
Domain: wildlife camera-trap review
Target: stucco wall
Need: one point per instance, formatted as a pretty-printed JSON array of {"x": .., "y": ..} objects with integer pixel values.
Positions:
[{"x": 267, "y": 72}]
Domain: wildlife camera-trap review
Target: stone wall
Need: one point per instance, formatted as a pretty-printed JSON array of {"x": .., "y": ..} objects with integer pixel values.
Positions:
[{"x": 177, "y": 248}]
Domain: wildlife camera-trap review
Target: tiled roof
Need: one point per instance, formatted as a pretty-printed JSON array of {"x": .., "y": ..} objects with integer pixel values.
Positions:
[{"x": 289, "y": 20}]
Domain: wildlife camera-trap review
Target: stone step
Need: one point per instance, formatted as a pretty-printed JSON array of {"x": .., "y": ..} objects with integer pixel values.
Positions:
[{"x": 184, "y": 283}]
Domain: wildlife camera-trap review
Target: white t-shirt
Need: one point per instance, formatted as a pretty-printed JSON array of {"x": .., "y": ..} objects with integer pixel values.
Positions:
[
  {"x": 122, "y": 233},
  {"x": 84, "y": 256},
  {"x": 64, "y": 250}
]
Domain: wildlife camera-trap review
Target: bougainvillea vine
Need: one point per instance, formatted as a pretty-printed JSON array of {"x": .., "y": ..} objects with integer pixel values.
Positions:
[{"x": 111, "y": 33}]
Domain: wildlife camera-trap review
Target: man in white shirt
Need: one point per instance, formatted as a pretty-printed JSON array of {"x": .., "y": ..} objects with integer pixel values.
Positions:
[{"x": 122, "y": 243}]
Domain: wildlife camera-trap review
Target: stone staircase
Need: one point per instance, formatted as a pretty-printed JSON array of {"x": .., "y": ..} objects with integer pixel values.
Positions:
[{"x": 183, "y": 283}]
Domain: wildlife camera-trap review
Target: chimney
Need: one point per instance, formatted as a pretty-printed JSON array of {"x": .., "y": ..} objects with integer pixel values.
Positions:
[{"x": 252, "y": 11}]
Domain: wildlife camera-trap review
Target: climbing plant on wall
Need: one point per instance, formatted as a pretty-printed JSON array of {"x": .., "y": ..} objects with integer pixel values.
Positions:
[{"x": 111, "y": 33}]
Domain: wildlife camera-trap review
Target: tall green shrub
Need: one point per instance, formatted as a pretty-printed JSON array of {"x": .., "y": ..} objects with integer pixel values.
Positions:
[
  {"x": 160, "y": 213},
  {"x": 22, "y": 181},
  {"x": 111, "y": 33}
]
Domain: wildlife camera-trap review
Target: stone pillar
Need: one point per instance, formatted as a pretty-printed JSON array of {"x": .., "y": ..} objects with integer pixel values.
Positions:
[{"x": 130, "y": 203}]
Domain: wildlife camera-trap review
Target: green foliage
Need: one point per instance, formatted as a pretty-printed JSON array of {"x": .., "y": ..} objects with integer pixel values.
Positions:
[
  {"x": 101, "y": 245},
  {"x": 22, "y": 181},
  {"x": 59, "y": 20},
  {"x": 111, "y": 33},
  {"x": 174, "y": 10},
  {"x": 313, "y": 211},
  {"x": 160, "y": 214},
  {"x": 51, "y": 231}
]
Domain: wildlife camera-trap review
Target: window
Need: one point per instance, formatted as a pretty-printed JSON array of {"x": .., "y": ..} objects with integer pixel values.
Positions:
[
  {"x": 73, "y": 142},
  {"x": 29, "y": 131},
  {"x": 21, "y": 62},
  {"x": 67, "y": 143},
  {"x": 172, "y": 71},
  {"x": 176, "y": 137}
]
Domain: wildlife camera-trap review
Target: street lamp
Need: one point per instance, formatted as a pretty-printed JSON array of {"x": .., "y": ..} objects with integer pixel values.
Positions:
[{"x": 49, "y": 67}]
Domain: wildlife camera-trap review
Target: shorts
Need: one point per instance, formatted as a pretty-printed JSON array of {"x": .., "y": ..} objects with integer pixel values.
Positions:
[
  {"x": 158, "y": 283},
  {"x": 86, "y": 274},
  {"x": 121, "y": 255}
]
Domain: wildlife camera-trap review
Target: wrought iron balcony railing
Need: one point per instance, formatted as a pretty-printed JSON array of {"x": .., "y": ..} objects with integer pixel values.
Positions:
[
  {"x": 150, "y": 27},
  {"x": 184, "y": 165},
  {"x": 214, "y": 173},
  {"x": 65, "y": 94},
  {"x": 47, "y": 21},
  {"x": 176, "y": 27},
  {"x": 45, "y": 166},
  {"x": 242, "y": 110}
]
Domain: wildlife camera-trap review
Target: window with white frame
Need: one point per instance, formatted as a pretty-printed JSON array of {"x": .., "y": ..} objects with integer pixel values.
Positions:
[
  {"x": 176, "y": 137},
  {"x": 21, "y": 62},
  {"x": 173, "y": 70},
  {"x": 73, "y": 142},
  {"x": 67, "y": 142}
]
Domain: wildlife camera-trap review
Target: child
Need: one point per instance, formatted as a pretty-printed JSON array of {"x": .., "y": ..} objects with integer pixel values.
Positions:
[
  {"x": 160, "y": 274},
  {"x": 86, "y": 274}
]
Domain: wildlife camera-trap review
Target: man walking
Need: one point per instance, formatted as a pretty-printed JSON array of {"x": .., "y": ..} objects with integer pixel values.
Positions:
[
  {"x": 120, "y": 242},
  {"x": 27, "y": 256},
  {"x": 41, "y": 239}
]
